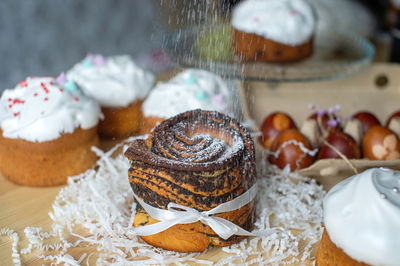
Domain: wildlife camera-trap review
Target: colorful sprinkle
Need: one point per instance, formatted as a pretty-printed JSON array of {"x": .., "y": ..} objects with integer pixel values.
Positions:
[
  {"x": 337, "y": 107},
  {"x": 9, "y": 99},
  {"x": 61, "y": 89},
  {"x": 201, "y": 95},
  {"x": 46, "y": 99},
  {"x": 16, "y": 114},
  {"x": 311, "y": 106},
  {"x": 332, "y": 110},
  {"x": 339, "y": 119},
  {"x": 51, "y": 83},
  {"x": 61, "y": 79},
  {"x": 87, "y": 63},
  {"x": 191, "y": 80},
  {"x": 23, "y": 83},
  {"x": 35, "y": 94},
  {"x": 10, "y": 106},
  {"x": 76, "y": 99},
  {"x": 46, "y": 90},
  {"x": 18, "y": 101},
  {"x": 70, "y": 86},
  {"x": 99, "y": 60},
  {"x": 219, "y": 99}
]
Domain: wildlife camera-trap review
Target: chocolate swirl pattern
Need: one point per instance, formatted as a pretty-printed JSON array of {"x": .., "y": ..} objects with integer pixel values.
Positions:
[{"x": 199, "y": 159}]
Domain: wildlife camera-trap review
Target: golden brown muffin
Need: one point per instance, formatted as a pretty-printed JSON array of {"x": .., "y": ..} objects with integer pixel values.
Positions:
[
  {"x": 122, "y": 121},
  {"x": 198, "y": 159},
  {"x": 329, "y": 254},
  {"x": 253, "y": 47},
  {"x": 48, "y": 163}
]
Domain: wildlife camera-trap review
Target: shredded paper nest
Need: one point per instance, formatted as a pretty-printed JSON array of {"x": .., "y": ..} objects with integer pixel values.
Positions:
[{"x": 97, "y": 209}]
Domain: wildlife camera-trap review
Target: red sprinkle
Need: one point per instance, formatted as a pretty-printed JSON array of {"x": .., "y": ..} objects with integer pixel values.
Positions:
[
  {"x": 16, "y": 114},
  {"x": 46, "y": 99},
  {"x": 9, "y": 99},
  {"x": 23, "y": 83},
  {"x": 256, "y": 19},
  {"x": 10, "y": 106},
  {"x": 46, "y": 90},
  {"x": 61, "y": 89},
  {"x": 293, "y": 12},
  {"x": 18, "y": 101},
  {"x": 51, "y": 83},
  {"x": 76, "y": 99},
  {"x": 35, "y": 94}
]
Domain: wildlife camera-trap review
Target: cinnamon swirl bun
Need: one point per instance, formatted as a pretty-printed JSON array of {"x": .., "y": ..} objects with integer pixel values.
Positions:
[{"x": 198, "y": 159}]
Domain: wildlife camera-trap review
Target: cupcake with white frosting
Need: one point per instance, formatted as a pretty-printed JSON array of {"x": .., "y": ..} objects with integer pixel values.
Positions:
[
  {"x": 273, "y": 30},
  {"x": 47, "y": 129},
  {"x": 188, "y": 90},
  {"x": 119, "y": 85},
  {"x": 362, "y": 220}
]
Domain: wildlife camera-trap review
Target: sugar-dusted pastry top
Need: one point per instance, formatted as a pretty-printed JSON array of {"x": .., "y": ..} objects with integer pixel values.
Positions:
[
  {"x": 190, "y": 89},
  {"x": 291, "y": 22},
  {"x": 114, "y": 81},
  {"x": 41, "y": 109},
  {"x": 362, "y": 216}
]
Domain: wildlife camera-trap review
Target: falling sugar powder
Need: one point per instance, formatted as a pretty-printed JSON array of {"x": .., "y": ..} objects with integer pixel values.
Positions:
[{"x": 97, "y": 208}]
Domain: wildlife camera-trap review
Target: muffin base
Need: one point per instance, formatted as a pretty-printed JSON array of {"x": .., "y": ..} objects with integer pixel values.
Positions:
[
  {"x": 329, "y": 254},
  {"x": 253, "y": 47},
  {"x": 49, "y": 163},
  {"x": 194, "y": 237},
  {"x": 121, "y": 122}
]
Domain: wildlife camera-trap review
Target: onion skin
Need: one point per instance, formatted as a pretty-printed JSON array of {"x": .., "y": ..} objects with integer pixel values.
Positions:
[
  {"x": 273, "y": 125},
  {"x": 291, "y": 153},
  {"x": 341, "y": 141}
]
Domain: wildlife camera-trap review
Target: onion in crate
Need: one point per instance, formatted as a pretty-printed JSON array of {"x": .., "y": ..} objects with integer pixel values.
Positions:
[
  {"x": 343, "y": 142},
  {"x": 381, "y": 143},
  {"x": 367, "y": 120},
  {"x": 273, "y": 125},
  {"x": 393, "y": 123},
  {"x": 293, "y": 148}
]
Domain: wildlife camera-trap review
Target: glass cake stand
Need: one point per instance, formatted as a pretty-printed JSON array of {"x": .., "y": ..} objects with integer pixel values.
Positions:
[{"x": 335, "y": 56}]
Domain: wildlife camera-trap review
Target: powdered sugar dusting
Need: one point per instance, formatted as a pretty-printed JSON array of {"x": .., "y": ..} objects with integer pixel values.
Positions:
[{"x": 97, "y": 208}]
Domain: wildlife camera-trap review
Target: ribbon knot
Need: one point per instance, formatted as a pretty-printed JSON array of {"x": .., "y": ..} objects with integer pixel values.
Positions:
[{"x": 179, "y": 214}]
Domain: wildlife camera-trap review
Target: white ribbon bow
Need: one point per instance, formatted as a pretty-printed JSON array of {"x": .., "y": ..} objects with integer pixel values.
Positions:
[{"x": 178, "y": 214}]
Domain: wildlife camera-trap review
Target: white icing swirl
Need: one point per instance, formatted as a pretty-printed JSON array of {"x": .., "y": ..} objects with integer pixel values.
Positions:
[
  {"x": 291, "y": 22},
  {"x": 39, "y": 109},
  {"x": 190, "y": 89},
  {"x": 364, "y": 222},
  {"x": 115, "y": 82}
]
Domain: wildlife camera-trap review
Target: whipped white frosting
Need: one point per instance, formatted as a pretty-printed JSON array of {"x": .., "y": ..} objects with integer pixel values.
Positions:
[
  {"x": 113, "y": 81},
  {"x": 362, "y": 216},
  {"x": 291, "y": 22},
  {"x": 190, "y": 89},
  {"x": 39, "y": 109}
]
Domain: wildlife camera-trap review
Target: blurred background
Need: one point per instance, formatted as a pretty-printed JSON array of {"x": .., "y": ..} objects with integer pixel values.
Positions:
[{"x": 45, "y": 37}]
